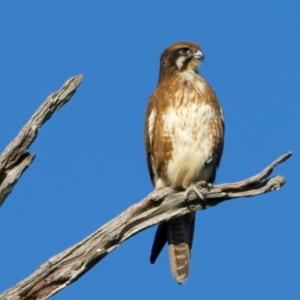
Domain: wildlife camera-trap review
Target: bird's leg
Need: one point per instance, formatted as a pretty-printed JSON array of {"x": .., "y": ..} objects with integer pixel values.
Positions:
[{"x": 194, "y": 188}]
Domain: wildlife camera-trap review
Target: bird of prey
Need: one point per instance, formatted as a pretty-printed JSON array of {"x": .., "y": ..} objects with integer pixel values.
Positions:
[{"x": 184, "y": 134}]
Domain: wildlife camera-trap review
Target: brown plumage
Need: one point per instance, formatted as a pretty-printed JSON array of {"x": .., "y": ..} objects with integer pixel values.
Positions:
[{"x": 184, "y": 133}]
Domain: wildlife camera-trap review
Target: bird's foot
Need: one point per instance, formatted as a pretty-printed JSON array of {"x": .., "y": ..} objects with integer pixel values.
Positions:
[{"x": 194, "y": 188}]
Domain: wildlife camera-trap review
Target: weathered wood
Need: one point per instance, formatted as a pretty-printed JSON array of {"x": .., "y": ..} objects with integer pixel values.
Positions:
[
  {"x": 66, "y": 267},
  {"x": 11, "y": 177},
  {"x": 14, "y": 160}
]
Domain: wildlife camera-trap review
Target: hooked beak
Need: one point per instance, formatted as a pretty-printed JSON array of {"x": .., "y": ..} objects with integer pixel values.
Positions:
[{"x": 198, "y": 55}]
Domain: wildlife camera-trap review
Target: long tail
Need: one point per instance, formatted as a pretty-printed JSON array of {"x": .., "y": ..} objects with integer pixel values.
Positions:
[
  {"x": 180, "y": 239},
  {"x": 179, "y": 233}
]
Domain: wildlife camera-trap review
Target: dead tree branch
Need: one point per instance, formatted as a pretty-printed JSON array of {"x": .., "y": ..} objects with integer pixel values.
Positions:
[
  {"x": 66, "y": 267},
  {"x": 14, "y": 160}
]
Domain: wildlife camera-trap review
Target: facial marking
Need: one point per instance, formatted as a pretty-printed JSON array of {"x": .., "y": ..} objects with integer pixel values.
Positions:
[{"x": 180, "y": 61}]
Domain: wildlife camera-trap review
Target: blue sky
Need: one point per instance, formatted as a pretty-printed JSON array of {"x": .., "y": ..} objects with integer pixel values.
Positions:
[{"x": 243, "y": 249}]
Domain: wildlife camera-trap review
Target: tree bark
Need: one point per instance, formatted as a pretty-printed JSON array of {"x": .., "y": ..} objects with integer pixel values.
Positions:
[{"x": 161, "y": 205}]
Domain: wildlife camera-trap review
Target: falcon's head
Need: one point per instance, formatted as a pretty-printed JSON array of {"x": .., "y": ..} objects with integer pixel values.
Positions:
[{"x": 179, "y": 57}]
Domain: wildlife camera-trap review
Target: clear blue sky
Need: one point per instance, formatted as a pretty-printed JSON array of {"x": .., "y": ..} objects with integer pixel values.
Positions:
[{"x": 243, "y": 249}]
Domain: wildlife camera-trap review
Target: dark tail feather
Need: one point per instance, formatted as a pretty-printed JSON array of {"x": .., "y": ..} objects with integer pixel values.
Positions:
[
  {"x": 180, "y": 239},
  {"x": 160, "y": 240}
]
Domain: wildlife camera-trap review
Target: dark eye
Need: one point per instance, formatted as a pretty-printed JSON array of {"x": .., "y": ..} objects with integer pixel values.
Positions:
[{"x": 185, "y": 51}]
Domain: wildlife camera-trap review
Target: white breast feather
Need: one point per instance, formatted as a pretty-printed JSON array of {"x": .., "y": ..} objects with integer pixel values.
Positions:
[
  {"x": 151, "y": 121},
  {"x": 188, "y": 127}
]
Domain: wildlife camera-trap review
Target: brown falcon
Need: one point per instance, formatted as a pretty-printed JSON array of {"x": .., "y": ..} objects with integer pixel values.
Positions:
[{"x": 184, "y": 132}]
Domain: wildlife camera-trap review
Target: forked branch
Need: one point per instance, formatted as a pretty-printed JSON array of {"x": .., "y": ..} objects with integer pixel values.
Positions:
[
  {"x": 66, "y": 267},
  {"x": 14, "y": 160}
]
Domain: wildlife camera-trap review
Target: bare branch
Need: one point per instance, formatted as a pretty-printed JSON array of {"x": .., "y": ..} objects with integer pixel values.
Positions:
[
  {"x": 66, "y": 267},
  {"x": 14, "y": 160}
]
